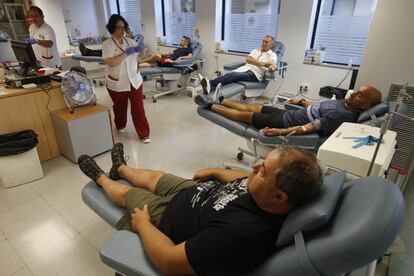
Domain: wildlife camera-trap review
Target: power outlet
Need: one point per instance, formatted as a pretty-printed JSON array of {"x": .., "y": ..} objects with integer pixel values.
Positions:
[{"x": 304, "y": 87}]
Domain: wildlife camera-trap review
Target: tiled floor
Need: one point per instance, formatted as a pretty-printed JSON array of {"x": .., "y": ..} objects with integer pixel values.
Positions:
[{"x": 46, "y": 229}]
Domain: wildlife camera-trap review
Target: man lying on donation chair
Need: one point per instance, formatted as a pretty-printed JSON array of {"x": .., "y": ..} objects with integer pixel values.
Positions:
[
  {"x": 254, "y": 70},
  {"x": 220, "y": 222},
  {"x": 166, "y": 60},
  {"x": 322, "y": 117}
]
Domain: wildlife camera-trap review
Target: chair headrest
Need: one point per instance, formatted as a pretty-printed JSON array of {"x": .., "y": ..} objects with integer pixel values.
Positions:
[
  {"x": 376, "y": 110},
  {"x": 315, "y": 213},
  {"x": 279, "y": 49},
  {"x": 197, "y": 47}
]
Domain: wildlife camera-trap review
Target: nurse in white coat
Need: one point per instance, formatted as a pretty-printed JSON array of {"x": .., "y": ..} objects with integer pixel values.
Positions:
[
  {"x": 43, "y": 39},
  {"x": 123, "y": 78}
]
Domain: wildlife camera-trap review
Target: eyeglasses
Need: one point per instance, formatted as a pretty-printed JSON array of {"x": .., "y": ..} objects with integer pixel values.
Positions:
[{"x": 120, "y": 27}]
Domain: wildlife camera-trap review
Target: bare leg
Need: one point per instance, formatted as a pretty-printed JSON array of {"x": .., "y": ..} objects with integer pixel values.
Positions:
[
  {"x": 152, "y": 59},
  {"x": 141, "y": 178},
  {"x": 233, "y": 114},
  {"x": 115, "y": 191},
  {"x": 241, "y": 106},
  {"x": 147, "y": 64}
]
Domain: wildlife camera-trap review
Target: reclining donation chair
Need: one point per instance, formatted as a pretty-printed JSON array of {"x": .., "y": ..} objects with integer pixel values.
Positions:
[
  {"x": 172, "y": 74},
  {"x": 259, "y": 145},
  {"x": 251, "y": 90},
  {"x": 347, "y": 227}
]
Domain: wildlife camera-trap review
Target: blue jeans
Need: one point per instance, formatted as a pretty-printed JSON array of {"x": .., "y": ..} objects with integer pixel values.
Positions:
[{"x": 233, "y": 77}]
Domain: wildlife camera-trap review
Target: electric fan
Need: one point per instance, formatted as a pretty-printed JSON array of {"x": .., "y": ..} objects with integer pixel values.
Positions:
[{"x": 78, "y": 90}]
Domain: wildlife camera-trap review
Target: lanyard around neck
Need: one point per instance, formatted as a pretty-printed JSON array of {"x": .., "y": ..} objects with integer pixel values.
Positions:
[{"x": 119, "y": 46}]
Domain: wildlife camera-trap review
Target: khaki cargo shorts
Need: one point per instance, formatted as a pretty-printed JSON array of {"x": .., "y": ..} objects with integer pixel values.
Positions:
[{"x": 167, "y": 187}]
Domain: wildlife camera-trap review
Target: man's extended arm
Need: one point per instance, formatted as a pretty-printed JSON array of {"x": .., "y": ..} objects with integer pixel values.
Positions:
[
  {"x": 169, "y": 258},
  {"x": 301, "y": 102},
  {"x": 189, "y": 56},
  {"x": 298, "y": 130},
  {"x": 45, "y": 43},
  {"x": 219, "y": 174}
]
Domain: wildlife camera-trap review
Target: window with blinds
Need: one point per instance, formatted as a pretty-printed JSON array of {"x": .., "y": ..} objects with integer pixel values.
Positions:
[
  {"x": 131, "y": 11},
  {"x": 179, "y": 19},
  {"x": 246, "y": 22},
  {"x": 342, "y": 29}
]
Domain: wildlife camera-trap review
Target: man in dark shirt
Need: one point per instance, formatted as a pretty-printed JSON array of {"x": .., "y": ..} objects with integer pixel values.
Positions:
[
  {"x": 222, "y": 222},
  {"x": 323, "y": 117},
  {"x": 166, "y": 60}
]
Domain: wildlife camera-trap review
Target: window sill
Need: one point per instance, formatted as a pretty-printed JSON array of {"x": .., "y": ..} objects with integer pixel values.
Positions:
[
  {"x": 332, "y": 65},
  {"x": 231, "y": 53}
]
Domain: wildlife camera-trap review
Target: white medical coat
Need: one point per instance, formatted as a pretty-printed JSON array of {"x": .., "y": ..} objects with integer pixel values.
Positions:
[
  {"x": 48, "y": 57},
  {"x": 120, "y": 77}
]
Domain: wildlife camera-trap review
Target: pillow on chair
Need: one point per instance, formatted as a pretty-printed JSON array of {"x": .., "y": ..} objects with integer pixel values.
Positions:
[
  {"x": 377, "y": 110},
  {"x": 315, "y": 213}
]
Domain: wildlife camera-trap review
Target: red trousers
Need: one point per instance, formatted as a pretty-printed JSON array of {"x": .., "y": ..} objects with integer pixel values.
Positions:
[{"x": 120, "y": 107}]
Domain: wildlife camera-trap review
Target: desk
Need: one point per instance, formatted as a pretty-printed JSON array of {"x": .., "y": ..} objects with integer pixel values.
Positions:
[{"x": 27, "y": 109}]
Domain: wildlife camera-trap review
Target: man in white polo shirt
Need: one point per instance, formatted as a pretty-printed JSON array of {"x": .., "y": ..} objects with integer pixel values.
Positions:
[
  {"x": 256, "y": 64},
  {"x": 43, "y": 39}
]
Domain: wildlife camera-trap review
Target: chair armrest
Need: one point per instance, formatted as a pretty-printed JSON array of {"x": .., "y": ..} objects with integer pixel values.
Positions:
[
  {"x": 308, "y": 141},
  {"x": 289, "y": 106},
  {"x": 183, "y": 63},
  {"x": 270, "y": 75},
  {"x": 125, "y": 253},
  {"x": 234, "y": 65}
]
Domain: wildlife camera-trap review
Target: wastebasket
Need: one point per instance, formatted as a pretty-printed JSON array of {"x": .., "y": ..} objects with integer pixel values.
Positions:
[{"x": 19, "y": 161}]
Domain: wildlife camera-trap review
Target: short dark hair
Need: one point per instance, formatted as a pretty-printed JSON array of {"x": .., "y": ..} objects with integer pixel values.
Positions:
[
  {"x": 37, "y": 9},
  {"x": 301, "y": 178},
  {"x": 112, "y": 23},
  {"x": 188, "y": 40}
]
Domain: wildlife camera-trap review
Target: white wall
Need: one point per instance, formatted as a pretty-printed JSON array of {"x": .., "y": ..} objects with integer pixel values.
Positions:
[
  {"x": 389, "y": 53},
  {"x": 52, "y": 10},
  {"x": 149, "y": 27},
  {"x": 294, "y": 25},
  {"x": 84, "y": 15}
]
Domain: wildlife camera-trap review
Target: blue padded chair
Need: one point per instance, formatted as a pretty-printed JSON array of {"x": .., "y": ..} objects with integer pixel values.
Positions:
[
  {"x": 347, "y": 227},
  {"x": 259, "y": 145},
  {"x": 179, "y": 68},
  {"x": 255, "y": 89}
]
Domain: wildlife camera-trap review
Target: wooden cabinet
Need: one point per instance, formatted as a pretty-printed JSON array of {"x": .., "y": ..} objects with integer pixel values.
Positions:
[{"x": 21, "y": 109}]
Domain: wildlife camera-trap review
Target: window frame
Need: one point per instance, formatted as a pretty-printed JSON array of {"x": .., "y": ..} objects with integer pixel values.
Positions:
[
  {"x": 164, "y": 29},
  {"x": 223, "y": 27},
  {"x": 313, "y": 38}
]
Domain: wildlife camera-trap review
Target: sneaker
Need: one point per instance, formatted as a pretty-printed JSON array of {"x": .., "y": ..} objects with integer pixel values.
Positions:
[
  {"x": 205, "y": 84},
  {"x": 120, "y": 130},
  {"x": 89, "y": 167},
  {"x": 146, "y": 140},
  {"x": 218, "y": 95},
  {"x": 118, "y": 159},
  {"x": 202, "y": 101}
]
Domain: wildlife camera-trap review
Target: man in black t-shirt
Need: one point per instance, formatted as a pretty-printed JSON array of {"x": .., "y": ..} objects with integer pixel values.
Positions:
[
  {"x": 166, "y": 60},
  {"x": 222, "y": 222}
]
